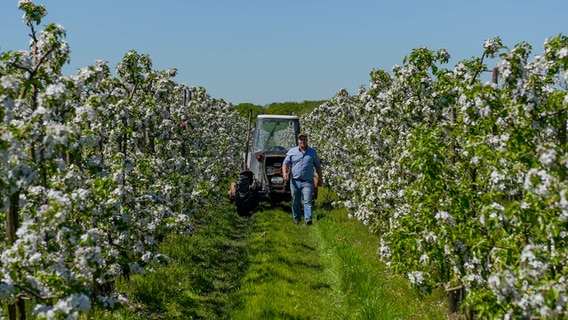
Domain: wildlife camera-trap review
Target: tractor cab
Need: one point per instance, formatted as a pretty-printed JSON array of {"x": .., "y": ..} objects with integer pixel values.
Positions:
[{"x": 262, "y": 176}]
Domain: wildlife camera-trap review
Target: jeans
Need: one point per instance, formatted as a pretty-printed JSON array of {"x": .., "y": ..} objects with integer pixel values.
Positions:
[{"x": 302, "y": 192}]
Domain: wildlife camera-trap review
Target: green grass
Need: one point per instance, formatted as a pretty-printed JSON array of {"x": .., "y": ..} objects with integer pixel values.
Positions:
[
  {"x": 330, "y": 270},
  {"x": 202, "y": 279},
  {"x": 286, "y": 278},
  {"x": 365, "y": 288},
  {"x": 266, "y": 267}
]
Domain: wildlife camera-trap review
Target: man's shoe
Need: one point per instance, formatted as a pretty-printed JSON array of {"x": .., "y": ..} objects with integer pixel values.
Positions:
[
  {"x": 296, "y": 222},
  {"x": 308, "y": 222}
]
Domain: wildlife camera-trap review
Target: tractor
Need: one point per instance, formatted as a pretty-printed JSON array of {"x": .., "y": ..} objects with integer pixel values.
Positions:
[{"x": 261, "y": 178}]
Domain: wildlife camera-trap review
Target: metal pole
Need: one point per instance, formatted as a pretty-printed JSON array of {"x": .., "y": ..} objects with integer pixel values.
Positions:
[{"x": 248, "y": 141}]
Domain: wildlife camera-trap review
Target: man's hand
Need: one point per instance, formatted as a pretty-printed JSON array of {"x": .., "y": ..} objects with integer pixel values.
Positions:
[{"x": 320, "y": 175}]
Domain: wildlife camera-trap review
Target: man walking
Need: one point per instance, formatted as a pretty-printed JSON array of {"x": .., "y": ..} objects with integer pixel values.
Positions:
[{"x": 302, "y": 159}]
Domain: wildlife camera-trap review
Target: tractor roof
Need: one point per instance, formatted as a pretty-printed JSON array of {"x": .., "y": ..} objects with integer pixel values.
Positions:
[{"x": 276, "y": 116}]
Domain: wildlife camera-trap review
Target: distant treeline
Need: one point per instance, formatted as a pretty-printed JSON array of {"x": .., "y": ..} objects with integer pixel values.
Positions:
[{"x": 289, "y": 108}]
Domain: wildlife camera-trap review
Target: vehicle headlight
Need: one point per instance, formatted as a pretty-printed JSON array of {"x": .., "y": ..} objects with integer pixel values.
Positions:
[{"x": 277, "y": 180}]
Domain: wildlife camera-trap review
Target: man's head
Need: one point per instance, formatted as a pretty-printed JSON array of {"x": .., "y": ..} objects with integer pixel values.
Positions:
[{"x": 303, "y": 140}]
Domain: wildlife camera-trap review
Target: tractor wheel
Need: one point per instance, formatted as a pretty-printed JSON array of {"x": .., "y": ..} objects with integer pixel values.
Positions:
[{"x": 242, "y": 196}]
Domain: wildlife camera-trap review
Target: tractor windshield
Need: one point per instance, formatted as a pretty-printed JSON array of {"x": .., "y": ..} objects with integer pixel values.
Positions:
[{"x": 276, "y": 134}]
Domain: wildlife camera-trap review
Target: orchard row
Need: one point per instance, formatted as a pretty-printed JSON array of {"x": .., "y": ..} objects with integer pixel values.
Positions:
[
  {"x": 96, "y": 169},
  {"x": 464, "y": 181}
]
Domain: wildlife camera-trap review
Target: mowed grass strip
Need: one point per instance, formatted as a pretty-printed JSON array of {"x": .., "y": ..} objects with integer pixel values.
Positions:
[
  {"x": 330, "y": 270},
  {"x": 286, "y": 278},
  {"x": 266, "y": 267}
]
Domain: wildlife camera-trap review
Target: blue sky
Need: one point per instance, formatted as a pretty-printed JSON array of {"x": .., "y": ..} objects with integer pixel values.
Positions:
[{"x": 264, "y": 51}]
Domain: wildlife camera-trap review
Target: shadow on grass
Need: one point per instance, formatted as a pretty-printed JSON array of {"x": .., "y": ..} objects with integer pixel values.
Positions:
[
  {"x": 205, "y": 270},
  {"x": 272, "y": 314}
]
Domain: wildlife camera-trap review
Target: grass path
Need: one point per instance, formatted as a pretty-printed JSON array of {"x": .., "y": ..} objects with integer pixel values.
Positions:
[
  {"x": 326, "y": 271},
  {"x": 266, "y": 267},
  {"x": 286, "y": 278}
]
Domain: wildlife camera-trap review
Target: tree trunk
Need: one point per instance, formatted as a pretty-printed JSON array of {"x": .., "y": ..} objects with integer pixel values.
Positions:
[{"x": 12, "y": 224}]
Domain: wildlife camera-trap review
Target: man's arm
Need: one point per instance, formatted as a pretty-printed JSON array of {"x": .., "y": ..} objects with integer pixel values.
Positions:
[
  {"x": 286, "y": 165},
  {"x": 285, "y": 172},
  {"x": 320, "y": 175}
]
